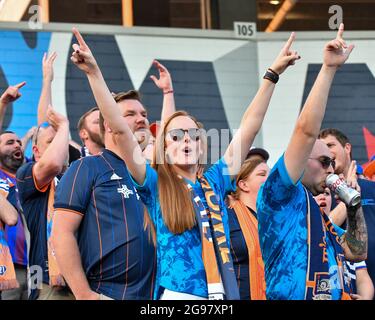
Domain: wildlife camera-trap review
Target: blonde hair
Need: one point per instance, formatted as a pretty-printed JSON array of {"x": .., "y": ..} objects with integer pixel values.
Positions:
[{"x": 175, "y": 200}]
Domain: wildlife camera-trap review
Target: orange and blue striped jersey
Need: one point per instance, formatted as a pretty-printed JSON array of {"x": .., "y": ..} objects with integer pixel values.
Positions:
[
  {"x": 15, "y": 235},
  {"x": 117, "y": 254}
]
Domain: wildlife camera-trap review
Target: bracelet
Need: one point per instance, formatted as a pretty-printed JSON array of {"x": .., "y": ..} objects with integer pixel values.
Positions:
[
  {"x": 271, "y": 77},
  {"x": 273, "y": 71},
  {"x": 169, "y": 91}
]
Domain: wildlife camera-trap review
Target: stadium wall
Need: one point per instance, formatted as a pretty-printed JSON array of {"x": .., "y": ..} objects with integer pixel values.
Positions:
[{"x": 215, "y": 77}]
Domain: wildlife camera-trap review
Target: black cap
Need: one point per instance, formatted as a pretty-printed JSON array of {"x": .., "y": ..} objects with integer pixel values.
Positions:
[{"x": 258, "y": 151}]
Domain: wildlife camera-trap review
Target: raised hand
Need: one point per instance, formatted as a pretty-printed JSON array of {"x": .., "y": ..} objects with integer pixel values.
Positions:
[
  {"x": 165, "y": 80},
  {"x": 11, "y": 94},
  {"x": 82, "y": 56},
  {"x": 286, "y": 57},
  {"x": 351, "y": 177},
  {"x": 48, "y": 66},
  {"x": 336, "y": 52},
  {"x": 55, "y": 119}
]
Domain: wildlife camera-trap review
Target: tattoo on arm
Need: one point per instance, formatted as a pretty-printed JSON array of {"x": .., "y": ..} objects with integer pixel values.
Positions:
[{"x": 356, "y": 234}]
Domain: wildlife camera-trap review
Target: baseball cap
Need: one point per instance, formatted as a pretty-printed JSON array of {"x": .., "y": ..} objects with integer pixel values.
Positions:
[{"x": 258, "y": 151}]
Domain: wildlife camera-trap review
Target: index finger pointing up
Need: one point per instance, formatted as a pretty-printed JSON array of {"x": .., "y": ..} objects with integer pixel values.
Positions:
[
  {"x": 290, "y": 41},
  {"x": 79, "y": 37},
  {"x": 340, "y": 32},
  {"x": 20, "y": 85}
]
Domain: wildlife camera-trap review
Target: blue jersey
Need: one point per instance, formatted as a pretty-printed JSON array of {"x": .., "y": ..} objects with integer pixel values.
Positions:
[
  {"x": 180, "y": 264},
  {"x": 368, "y": 205},
  {"x": 117, "y": 254},
  {"x": 282, "y": 210},
  {"x": 34, "y": 201},
  {"x": 15, "y": 235}
]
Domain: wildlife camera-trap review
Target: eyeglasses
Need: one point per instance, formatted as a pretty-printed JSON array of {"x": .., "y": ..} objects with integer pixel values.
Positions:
[
  {"x": 179, "y": 134},
  {"x": 42, "y": 125},
  {"x": 325, "y": 162}
]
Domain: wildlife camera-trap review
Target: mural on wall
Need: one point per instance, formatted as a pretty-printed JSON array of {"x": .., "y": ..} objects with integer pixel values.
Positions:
[
  {"x": 126, "y": 64},
  {"x": 350, "y": 106},
  {"x": 214, "y": 79}
]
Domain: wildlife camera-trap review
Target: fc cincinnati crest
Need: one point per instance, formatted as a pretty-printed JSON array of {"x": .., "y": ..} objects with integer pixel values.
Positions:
[{"x": 322, "y": 290}]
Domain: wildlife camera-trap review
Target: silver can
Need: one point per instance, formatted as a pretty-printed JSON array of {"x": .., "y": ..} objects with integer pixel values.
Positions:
[{"x": 350, "y": 196}]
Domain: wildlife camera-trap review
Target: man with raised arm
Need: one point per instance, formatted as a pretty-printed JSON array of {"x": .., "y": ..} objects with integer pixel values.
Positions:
[
  {"x": 36, "y": 183},
  {"x": 302, "y": 251}
]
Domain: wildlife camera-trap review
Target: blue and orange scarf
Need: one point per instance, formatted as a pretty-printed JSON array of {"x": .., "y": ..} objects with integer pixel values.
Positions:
[
  {"x": 318, "y": 282},
  {"x": 8, "y": 278},
  {"x": 217, "y": 260},
  {"x": 249, "y": 228}
]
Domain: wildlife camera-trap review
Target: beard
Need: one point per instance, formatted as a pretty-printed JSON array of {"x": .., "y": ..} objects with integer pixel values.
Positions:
[
  {"x": 96, "y": 138},
  {"x": 10, "y": 162}
]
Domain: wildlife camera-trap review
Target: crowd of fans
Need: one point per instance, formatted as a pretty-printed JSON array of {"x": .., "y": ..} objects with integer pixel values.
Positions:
[{"x": 133, "y": 211}]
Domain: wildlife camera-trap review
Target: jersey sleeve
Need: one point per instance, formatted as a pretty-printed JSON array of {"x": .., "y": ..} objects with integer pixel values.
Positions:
[{"x": 73, "y": 193}]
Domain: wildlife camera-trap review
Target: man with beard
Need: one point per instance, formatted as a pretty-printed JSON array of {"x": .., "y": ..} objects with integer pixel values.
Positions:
[
  {"x": 341, "y": 150},
  {"x": 12, "y": 158},
  {"x": 98, "y": 191},
  {"x": 89, "y": 132}
]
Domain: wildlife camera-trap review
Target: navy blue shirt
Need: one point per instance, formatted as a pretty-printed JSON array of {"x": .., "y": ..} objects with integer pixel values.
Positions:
[
  {"x": 240, "y": 254},
  {"x": 117, "y": 254},
  {"x": 34, "y": 202},
  {"x": 368, "y": 205}
]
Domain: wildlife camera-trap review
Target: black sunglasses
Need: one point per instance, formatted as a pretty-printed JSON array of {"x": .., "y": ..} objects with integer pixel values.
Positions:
[
  {"x": 179, "y": 134},
  {"x": 325, "y": 162}
]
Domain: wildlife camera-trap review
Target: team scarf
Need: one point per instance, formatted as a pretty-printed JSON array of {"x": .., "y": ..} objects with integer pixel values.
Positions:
[
  {"x": 217, "y": 261},
  {"x": 8, "y": 278},
  {"x": 249, "y": 228},
  {"x": 318, "y": 279},
  {"x": 55, "y": 277}
]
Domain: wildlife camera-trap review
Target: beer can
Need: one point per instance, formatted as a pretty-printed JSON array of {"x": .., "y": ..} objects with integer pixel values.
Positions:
[{"x": 350, "y": 196}]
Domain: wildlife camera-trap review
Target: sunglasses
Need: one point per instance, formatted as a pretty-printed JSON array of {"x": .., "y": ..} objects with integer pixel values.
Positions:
[
  {"x": 43, "y": 125},
  {"x": 179, "y": 134},
  {"x": 325, "y": 162}
]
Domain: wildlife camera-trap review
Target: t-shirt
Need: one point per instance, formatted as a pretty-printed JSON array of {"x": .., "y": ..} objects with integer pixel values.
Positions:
[
  {"x": 368, "y": 205},
  {"x": 15, "y": 235},
  {"x": 352, "y": 267},
  {"x": 282, "y": 210},
  {"x": 240, "y": 254},
  {"x": 117, "y": 254},
  {"x": 34, "y": 201},
  {"x": 180, "y": 265}
]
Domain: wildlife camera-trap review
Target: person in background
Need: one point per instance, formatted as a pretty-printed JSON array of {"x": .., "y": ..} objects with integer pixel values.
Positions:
[
  {"x": 8, "y": 276},
  {"x": 36, "y": 182},
  {"x": 341, "y": 149},
  {"x": 89, "y": 132},
  {"x": 362, "y": 286},
  {"x": 243, "y": 224},
  {"x": 11, "y": 159}
]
